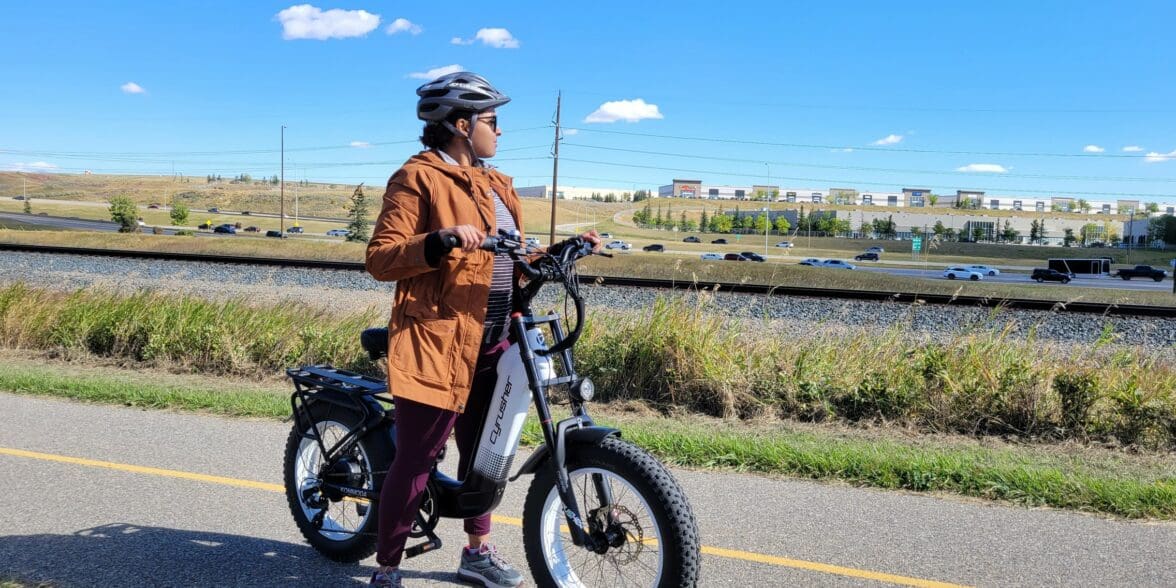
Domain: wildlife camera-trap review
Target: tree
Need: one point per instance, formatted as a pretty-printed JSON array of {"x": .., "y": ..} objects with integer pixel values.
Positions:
[
  {"x": 704, "y": 223},
  {"x": 761, "y": 223},
  {"x": 1151, "y": 207},
  {"x": 1069, "y": 239},
  {"x": 1087, "y": 233},
  {"x": 1007, "y": 234},
  {"x": 1083, "y": 205},
  {"x": 782, "y": 225},
  {"x": 938, "y": 229},
  {"x": 950, "y": 234},
  {"x": 357, "y": 229},
  {"x": 640, "y": 195},
  {"x": 179, "y": 214},
  {"x": 657, "y": 220},
  {"x": 124, "y": 212},
  {"x": 977, "y": 234},
  {"x": 933, "y": 199},
  {"x": 642, "y": 217},
  {"x": 1034, "y": 231},
  {"x": 28, "y": 206},
  {"x": 274, "y": 180},
  {"x": 1041, "y": 231},
  {"x": 866, "y": 230},
  {"x": 721, "y": 223}
]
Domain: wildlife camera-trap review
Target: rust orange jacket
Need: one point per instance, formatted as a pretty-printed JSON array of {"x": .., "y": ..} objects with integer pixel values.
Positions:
[{"x": 435, "y": 333}]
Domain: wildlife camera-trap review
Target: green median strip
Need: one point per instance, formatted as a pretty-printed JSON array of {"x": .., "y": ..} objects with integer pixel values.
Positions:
[{"x": 1111, "y": 483}]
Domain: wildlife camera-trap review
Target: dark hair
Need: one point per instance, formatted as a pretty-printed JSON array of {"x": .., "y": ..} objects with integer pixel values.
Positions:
[{"x": 436, "y": 136}]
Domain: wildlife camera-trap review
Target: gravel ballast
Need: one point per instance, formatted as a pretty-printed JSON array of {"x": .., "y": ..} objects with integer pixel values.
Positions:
[{"x": 351, "y": 291}]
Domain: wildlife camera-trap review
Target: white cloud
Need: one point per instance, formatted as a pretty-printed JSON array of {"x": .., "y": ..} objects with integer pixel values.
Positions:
[
  {"x": 1156, "y": 157},
  {"x": 983, "y": 168},
  {"x": 570, "y": 132},
  {"x": 403, "y": 25},
  {"x": 626, "y": 110},
  {"x": 1133, "y": 149},
  {"x": 31, "y": 167},
  {"x": 436, "y": 72},
  {"x": 310, "y": 22},
  {"x": 497, "y": 38},
  {"x": 844, "y": 150},
  {"x": 132, "y": 88},
  {"x": 1093, "y": 149},
  {"x": 360, "y": 144},
  {"x": 889, "y": 140}
]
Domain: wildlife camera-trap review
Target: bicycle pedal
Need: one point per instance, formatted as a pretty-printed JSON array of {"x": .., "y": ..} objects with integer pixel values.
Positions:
[{"x": 433, "y": 543}]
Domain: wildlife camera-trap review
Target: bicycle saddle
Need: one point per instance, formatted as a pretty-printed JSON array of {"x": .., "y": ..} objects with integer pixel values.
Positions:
[{"x": 375, "y": 342}]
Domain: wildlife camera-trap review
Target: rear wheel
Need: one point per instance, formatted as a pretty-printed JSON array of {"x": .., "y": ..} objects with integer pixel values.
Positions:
[
  {"x": 1065, "y": 280},
  {"x": 951, "y": 276},
  {"x": 1158, "y": 278},
  {"x": 341, "y": 528},
  {"x": 648, "y": 533},
  {"x": 1039, "y": 280},
  {"x": 974, "y": 277}
]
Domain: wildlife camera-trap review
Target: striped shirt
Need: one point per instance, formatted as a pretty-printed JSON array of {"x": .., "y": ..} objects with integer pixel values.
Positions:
[{"x": 499, "y": 300}]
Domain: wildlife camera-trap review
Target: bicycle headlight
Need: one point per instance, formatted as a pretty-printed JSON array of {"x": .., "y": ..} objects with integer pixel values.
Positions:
[{"x": 584, "y": 389}]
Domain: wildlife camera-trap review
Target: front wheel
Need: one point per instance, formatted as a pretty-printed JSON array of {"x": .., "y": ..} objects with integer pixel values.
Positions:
[
  {"x": 649, "y": 528},
  {"x": 339, "y": 527}
]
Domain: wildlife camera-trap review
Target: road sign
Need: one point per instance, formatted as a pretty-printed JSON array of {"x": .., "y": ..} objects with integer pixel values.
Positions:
[{"x": 916, "y": 243}]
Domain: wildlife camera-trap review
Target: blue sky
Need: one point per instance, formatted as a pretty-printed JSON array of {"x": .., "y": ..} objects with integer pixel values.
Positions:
[{"x": 1023, "y": 98}]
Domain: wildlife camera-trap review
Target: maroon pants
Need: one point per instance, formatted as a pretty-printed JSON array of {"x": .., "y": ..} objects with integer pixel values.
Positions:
[{"x": 421, "y": 433}]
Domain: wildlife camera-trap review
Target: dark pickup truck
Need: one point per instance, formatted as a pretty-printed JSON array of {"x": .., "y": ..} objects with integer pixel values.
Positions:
[{"x": 1142, "y": 271}]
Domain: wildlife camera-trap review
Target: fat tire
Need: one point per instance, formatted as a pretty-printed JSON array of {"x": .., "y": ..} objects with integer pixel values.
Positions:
[
  {"x": 657, "y": 486},
  {"x": 379, "y": 450}
]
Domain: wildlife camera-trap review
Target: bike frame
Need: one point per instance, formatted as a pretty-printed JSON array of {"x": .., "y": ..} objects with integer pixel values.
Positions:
[{"x": 527, "y": 359}]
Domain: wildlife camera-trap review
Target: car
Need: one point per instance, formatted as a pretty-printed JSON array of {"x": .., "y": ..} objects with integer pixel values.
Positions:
[
  {"x": 246, "y": 212},
  {"x": 152, "y": 206},
  {"x": 712, "y": 257},
  {"x": 959, "y": 272},
  {"x": 606, "y": 235},
  {"x": 692, "y": 239},
  {"x": 875, "y": 249},
  {"x": 214, "y": 209},
  {"x": 18, "y": 197},
  {"x": 654, "y": 247},
  {"x": 532, "y": 241},
  {"x": 275, "y": 234},
  {"x": 811, "y": 261},
  {"x": 734, "y": 257},
  {"x": 251, "y": 229},
  {"x": 337, "y": 233},
  {"x": 226, "y": 229},
  {"x": 838, "y": 264},
  {"x": 623, "y": 246},
  {"x": 867, "y": 256},
  {"x": 719, "y": 242},
  {"x": 752, "y": 256},
  {"x": 1050, "y": 275},
  {"x": 984, "y": 269},
  {"x": 294, "y": 229},
  {"x": 785, "y": 244}
]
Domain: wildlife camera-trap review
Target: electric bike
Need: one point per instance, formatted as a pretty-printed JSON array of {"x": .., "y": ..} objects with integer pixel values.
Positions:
[{"x": 600, "y": 511}]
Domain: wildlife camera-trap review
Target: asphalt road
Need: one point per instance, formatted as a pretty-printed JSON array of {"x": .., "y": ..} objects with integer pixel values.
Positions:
[{"x": 111, "y": 496}]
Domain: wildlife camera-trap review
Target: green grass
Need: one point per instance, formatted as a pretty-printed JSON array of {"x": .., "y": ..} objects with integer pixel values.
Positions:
[
  {"x": 1102, "y": 482},
  {"x": 678, "y": 355}
]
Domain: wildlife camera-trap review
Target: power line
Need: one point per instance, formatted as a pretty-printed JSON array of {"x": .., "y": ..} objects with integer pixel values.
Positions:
[
  {"x": 839, "y": 147},
  {"x": 876, "y": 169},
  {"x": 842, "y": 180}
]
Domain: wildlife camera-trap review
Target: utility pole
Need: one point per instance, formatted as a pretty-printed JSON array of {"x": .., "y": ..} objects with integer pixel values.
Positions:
[
  {"x": 555, "y": 169},
  {"x": 282, "y": 185}
]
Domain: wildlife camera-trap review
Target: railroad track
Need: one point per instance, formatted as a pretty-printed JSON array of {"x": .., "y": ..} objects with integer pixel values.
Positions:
[{"x": 840, "y": 294}]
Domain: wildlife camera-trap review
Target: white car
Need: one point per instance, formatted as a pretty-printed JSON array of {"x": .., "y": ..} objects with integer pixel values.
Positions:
[
  {"x": 712, "y": 257},
  {"x": 983, "y": 269},
  {"x": 785, "y": 244},
  {"x": 810, "y": 261},
  {"x": 875, "y": 249},
  {"x": 962, "y": 273},
  {"x": 623, "y": 246},
  {"x": 837, "y": 263},
  {"x": 337, "y": 233}
]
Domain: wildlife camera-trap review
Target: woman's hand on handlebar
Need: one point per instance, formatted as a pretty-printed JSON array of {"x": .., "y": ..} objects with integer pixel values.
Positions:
[
  {"x": 469, "y": 237},
  {"x": 594, "y": 238}
]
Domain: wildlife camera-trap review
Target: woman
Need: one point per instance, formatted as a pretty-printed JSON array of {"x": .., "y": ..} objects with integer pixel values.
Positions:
[{"x": 450, "y": 310}]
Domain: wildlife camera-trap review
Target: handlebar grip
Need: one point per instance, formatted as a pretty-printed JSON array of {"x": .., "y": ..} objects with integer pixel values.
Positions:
[
  {"x": 489, "y": 244},
  {"x": 450, "y": 241}
]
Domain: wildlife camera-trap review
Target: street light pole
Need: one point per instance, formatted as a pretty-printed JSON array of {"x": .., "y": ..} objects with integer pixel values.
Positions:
[{"x": 282, "y": 185}]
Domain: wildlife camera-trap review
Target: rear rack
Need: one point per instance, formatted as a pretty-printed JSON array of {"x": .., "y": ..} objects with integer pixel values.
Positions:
[{"x": 327, "y": 377}]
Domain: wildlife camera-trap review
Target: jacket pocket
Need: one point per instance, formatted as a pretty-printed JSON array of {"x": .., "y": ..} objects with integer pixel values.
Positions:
[{"x": 425, "y": 345}]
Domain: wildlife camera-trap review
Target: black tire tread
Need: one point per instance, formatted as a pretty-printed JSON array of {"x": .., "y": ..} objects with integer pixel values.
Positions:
[
  {"x": 655, "y": 482},
  {"x": 361, "y": 545}
]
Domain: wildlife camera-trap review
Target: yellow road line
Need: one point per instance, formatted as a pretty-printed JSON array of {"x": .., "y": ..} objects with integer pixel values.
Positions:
[{"x": 513, "y": 521}]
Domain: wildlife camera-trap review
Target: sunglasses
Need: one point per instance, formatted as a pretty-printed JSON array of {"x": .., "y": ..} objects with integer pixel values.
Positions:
[{"x": 492, "y": 121}]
